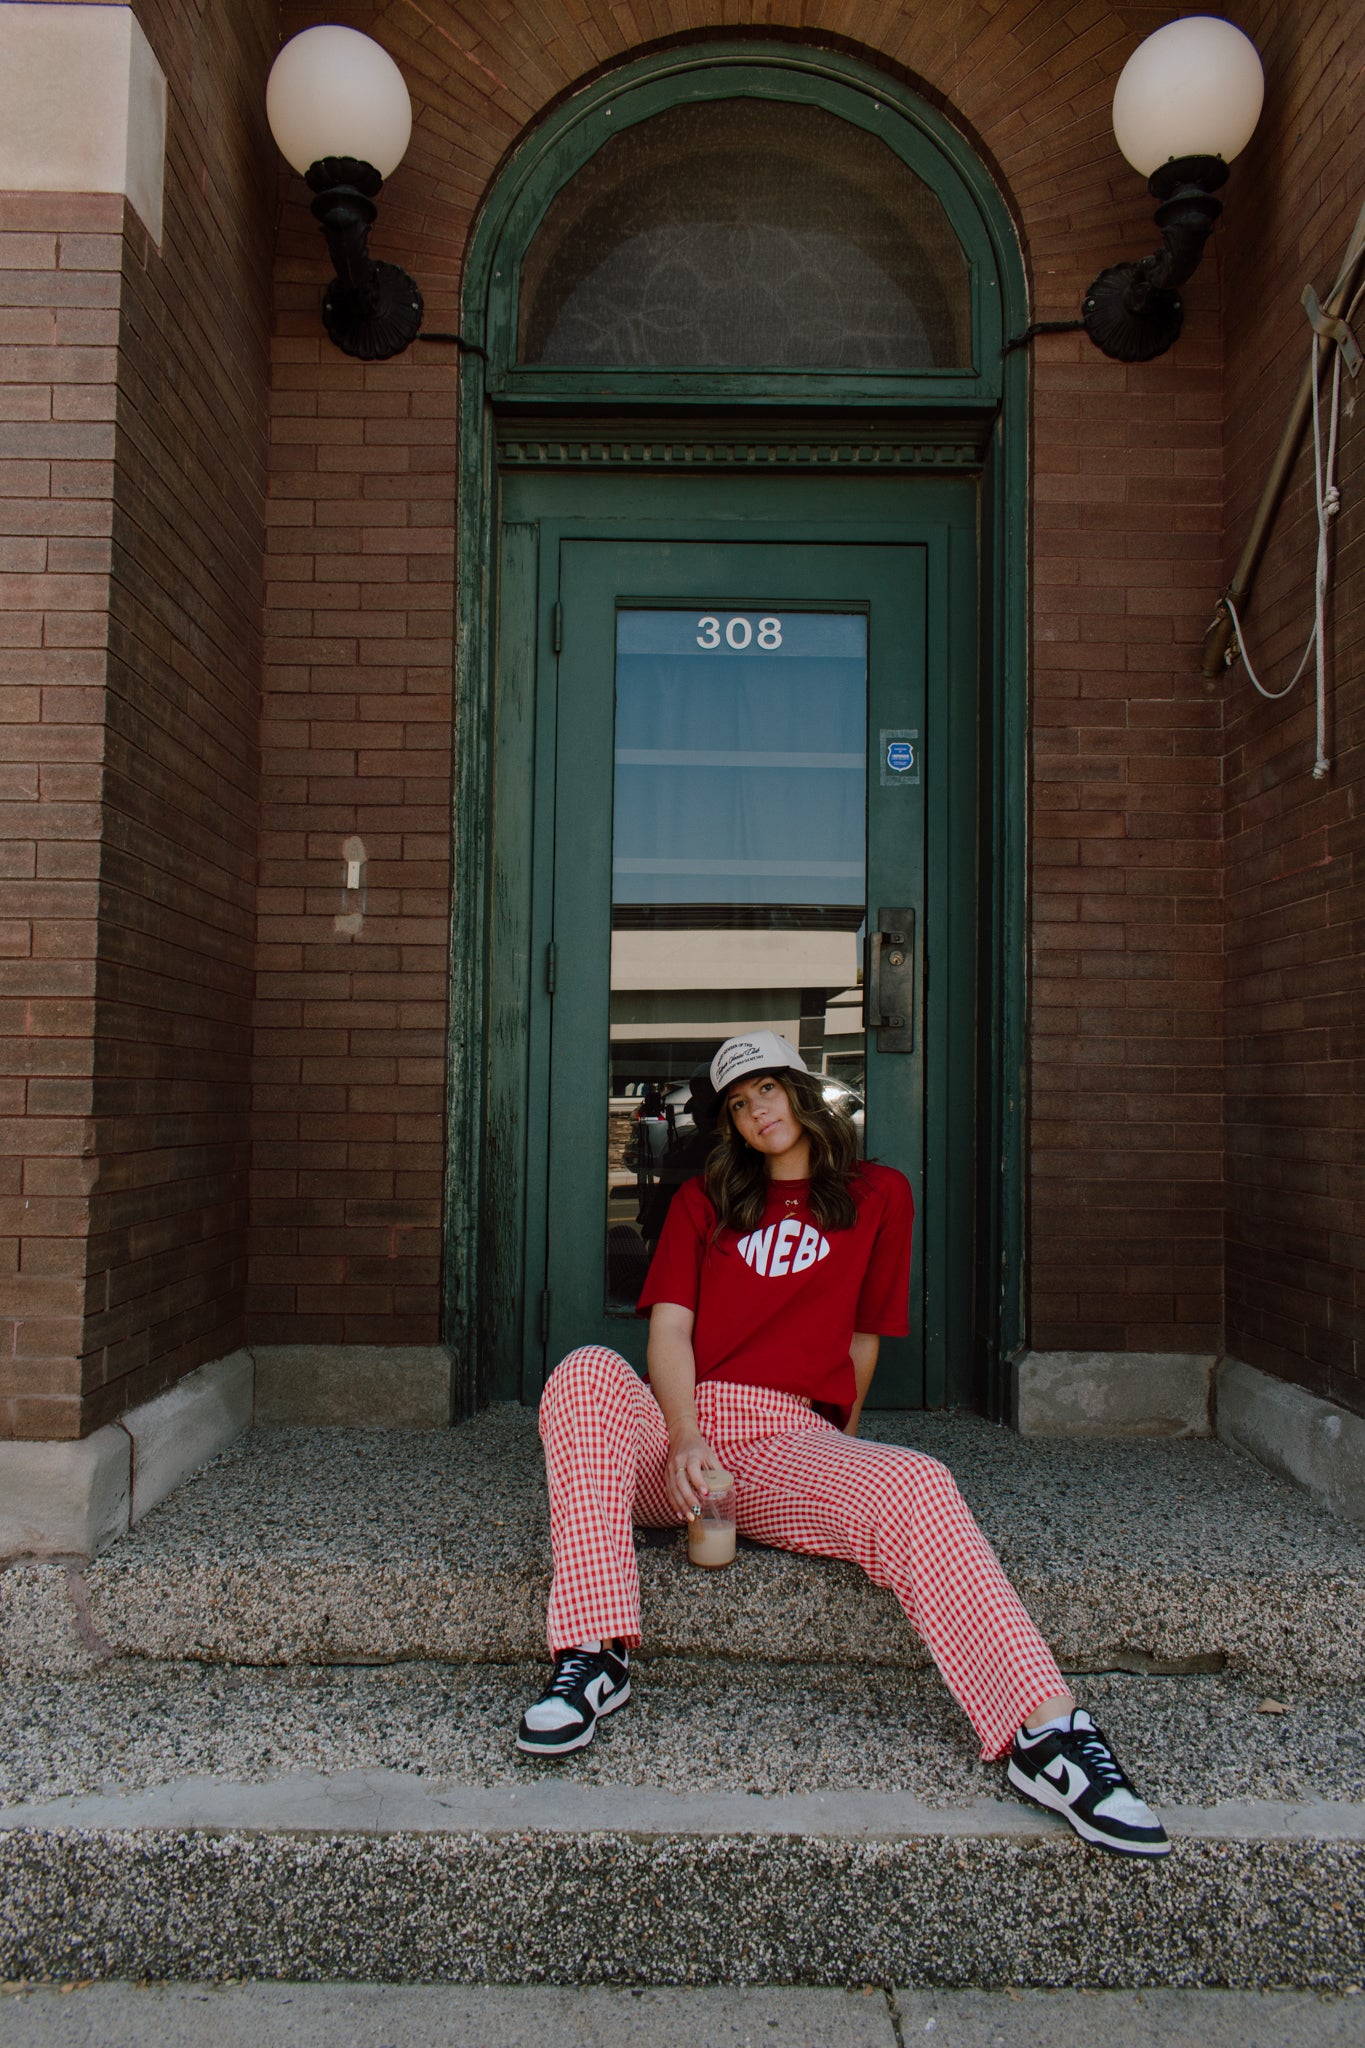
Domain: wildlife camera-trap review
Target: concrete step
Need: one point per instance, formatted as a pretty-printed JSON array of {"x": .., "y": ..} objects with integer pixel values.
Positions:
[
  {"x": 738, "y": 1822},
  {"x": 345, "y": 1546}
]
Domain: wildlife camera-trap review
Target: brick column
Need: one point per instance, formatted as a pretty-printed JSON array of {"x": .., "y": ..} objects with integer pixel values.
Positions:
[
  {"x": 59, "y": 292},
  {"x": 133, "y": 366}
]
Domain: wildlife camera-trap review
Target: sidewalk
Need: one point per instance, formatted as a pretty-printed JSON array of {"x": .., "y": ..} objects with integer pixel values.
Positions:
[{"x": 441, "y": 2016}]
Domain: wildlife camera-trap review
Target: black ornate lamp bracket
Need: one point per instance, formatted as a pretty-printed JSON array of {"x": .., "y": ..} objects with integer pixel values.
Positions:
[
  {"x": 371, "y": 310},
  {"x": 1133, "y": 311}
]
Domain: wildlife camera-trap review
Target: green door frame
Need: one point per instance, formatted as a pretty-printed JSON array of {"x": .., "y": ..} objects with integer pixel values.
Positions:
[
  {"x": 906, "y": 549},
  {"x": 920, "y": 415}
]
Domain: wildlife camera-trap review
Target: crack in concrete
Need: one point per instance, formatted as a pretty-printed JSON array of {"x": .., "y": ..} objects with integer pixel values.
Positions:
[{"x": 87, "y": 1635}]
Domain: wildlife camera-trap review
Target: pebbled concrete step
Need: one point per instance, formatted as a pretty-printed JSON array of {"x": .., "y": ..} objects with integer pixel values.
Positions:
[
  {"x": 692, "y": 1725},
  {"x": 737, "y": 1823},
  {"x": 345, "y": 1546}
]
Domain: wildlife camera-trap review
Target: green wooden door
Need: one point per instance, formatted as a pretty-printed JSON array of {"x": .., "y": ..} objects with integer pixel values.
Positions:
[{"x": 757, "y": 781}]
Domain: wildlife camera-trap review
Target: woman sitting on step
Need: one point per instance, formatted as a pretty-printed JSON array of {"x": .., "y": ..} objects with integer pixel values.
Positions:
[{"x": 775, "y": 1278}]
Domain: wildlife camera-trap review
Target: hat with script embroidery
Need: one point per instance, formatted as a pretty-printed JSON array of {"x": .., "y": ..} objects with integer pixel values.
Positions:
[{"x": 762, "y": 1052}]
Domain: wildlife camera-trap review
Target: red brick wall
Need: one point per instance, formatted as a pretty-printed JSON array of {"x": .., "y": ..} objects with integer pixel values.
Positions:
[
  {"x": 59, "y": 328},
  {"x": 132, "y": 531},
  {"x": 1295, "y": 894},
  {"x": 350, "y": 1039},
  {"x": 1126, "y": 1142},
  {"x": 167, "y": 1252},
  {"x": 132, "y": 400},
  {"x": 1126, "y": 1206}
]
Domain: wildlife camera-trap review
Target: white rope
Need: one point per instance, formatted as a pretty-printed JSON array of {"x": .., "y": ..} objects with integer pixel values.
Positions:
[
  {"x": 1272, "y": 696},
  {"x": 1327, "y": 502}
]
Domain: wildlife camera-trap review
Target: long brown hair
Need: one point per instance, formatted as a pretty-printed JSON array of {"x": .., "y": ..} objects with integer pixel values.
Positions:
[{"x": 737, "y": 1176}]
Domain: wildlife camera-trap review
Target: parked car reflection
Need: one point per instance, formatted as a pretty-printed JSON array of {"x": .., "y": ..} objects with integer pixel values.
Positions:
[{"x": 662, "y": 1119}]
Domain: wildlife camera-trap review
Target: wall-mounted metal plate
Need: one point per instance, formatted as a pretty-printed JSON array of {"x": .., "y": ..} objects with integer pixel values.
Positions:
[{"x": 890, "y": 980}]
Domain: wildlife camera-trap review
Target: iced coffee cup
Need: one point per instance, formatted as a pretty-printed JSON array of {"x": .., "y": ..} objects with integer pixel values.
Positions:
[{"x": 711, "y": 1531}]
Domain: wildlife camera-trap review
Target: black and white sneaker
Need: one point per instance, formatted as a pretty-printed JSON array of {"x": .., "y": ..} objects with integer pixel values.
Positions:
[
  {"x": 1073, "y": 1771},
  {"x": 587, "y": 1683}
]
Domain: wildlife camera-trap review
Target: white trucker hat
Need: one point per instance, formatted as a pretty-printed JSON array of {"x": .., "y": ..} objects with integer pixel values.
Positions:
[{"x": 762, "y": 1052}]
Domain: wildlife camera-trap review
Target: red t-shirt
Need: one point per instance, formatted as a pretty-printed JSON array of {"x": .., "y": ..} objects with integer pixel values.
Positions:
[{"x": 778, "y": 1307}]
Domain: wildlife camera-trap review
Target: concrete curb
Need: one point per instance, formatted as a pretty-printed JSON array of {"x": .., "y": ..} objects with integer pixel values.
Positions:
[
  {"x": 185, "y": 1427},
  {"x": 65, "y": 1499},
  {"x": 373, "y": 1386},
  {"x": 73, "y": 1500},
  {"x": 1315, "y": 1443},
  {"x": 1113, "y": 1393}
]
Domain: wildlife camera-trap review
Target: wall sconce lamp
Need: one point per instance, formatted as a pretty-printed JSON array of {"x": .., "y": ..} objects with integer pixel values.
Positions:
[
  {"x": 1186, "y": 104},
  {"x": 339, "y": 110}
]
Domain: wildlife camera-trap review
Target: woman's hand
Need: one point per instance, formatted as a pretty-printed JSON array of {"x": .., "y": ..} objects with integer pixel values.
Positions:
[{"x": 689, "y": 1457}]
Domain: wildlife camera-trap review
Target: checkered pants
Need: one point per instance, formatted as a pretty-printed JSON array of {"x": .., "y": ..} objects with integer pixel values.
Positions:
[{"x": 801, "y": 1484}]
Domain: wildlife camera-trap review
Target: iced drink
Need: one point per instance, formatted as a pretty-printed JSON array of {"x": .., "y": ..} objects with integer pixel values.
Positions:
[{"x": 711, "y": 1532}]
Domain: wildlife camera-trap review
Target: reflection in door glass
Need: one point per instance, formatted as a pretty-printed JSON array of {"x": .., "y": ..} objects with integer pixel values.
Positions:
[{"x": 739, "y": 836}]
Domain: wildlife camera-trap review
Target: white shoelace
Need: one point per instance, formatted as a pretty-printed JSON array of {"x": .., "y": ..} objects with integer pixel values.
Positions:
[{"x": 554, "y": 1711}]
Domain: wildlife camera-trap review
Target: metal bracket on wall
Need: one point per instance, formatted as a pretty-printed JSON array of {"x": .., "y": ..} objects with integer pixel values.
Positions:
[
  {"x": 1332, "y": 329},
  {"x": 1040, "y": 327},
  {"x": 466, "y": 348}
]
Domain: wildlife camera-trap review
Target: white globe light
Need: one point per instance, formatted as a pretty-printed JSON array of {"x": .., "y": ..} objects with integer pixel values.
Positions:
[
  {"x": 1192, "y": 89},
  {"x": 334, "y": 92}
]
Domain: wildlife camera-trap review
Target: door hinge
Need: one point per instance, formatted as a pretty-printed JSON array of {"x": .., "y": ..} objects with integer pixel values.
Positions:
[
  {"x": 550, "y": 961},
  {"x": 544, "y": 1315},
  {"x": 559, "y": 627}
]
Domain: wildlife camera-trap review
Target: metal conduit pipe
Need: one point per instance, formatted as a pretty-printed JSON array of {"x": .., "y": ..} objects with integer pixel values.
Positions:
[{"x": 1219, "y": 638}]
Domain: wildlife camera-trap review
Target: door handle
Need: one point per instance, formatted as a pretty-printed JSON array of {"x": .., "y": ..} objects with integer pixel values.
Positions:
[{"x": 890, "y": 977}]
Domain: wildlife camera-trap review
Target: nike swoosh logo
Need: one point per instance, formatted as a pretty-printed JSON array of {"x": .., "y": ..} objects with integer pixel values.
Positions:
[
  {"x": 1065, "y": 1776},
  {"x": 595, "y": 1689}
]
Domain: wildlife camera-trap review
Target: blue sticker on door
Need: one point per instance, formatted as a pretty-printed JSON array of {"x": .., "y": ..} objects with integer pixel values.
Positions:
[{"x": 899, "y": 757}]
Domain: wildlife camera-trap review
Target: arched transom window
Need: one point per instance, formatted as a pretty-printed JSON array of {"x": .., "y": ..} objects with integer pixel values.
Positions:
[{"x": 745, "y": 233}]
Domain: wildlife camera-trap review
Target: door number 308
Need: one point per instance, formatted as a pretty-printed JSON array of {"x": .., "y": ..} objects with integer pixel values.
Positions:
[{"x": 739, "y": 633}]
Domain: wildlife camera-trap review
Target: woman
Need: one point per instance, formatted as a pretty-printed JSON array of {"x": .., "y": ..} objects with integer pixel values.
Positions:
[{"x": 772, "y": 1285}]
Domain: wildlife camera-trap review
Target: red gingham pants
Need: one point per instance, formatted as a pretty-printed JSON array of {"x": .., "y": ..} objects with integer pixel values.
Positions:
[{"x": 801, "y": 1484}]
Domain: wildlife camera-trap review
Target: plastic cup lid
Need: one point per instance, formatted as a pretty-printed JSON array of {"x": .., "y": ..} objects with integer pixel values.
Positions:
[{"x": 717, "y": 1482}]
